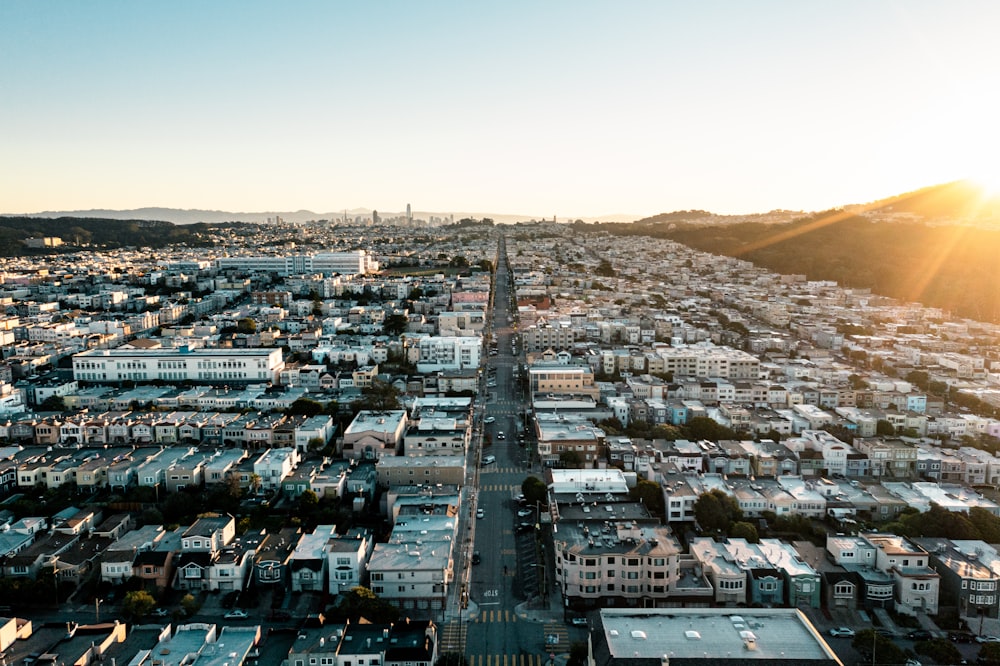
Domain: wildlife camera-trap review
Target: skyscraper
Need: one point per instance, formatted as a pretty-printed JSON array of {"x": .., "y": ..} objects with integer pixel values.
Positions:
[{"x": 409, "y": 216}]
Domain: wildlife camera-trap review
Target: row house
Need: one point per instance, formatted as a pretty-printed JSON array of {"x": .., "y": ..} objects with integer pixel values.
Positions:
[
  {"x": 970, "y": 582},
  {"x": 347, "y": 559},
  {"x": 436, "y": 436},
  {"x": 308, "y": 562},
  {"x": 274, "y": 465},
  {"x": 916, "y": 584}
]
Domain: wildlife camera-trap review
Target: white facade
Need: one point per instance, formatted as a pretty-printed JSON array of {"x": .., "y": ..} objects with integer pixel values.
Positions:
[
  {"x": 448, "y": 353},
  {"x": 176, "y": 365},
  {"x": 274, "y": 465}
]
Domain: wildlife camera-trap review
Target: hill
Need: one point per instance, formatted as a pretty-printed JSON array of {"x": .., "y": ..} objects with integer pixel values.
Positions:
[
  {"x": 94, "y": 232},
  {"x": 952, "y": 267}
]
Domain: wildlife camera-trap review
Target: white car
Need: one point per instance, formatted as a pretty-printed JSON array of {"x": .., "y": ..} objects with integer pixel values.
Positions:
[
  {"x": 236, "y": 615},
  {"x": 579, "y": 622},
  {"x": 489, "y": 419},
  {"x": 844, "y": 632},
  {"x": 480, "y": 513},
  {"x": 524, "y": 512}
]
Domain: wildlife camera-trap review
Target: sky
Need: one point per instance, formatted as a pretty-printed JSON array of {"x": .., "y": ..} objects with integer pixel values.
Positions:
[{"x": 571, "y": 108}]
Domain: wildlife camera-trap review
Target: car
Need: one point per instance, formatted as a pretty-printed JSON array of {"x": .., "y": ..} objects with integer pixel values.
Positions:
[
  {"x": 500, "y": 435},
  {"x": 525, "y": 527},
  {"x": 489, "y": 460},
  {"x": 579, "y": 622},
  {"x": 490, "y": 419},
  {"x": 236, "y": 615},
  {"x": 842, "y": 632},
  {"x": 491, "y": 384},
  {"x": 480, "y": 513},
  {"x": 920, "y": 635},
  {"x": 161, "y": 612},
  {"x": 522, "y": 513},
  {"x": 912, "y": 662},
  {"x": 961, "y": 637},
  {"x": 988, "y": 639},
  {"x": 279, "y": 615},
  {"x": 476, "y": 558},
  {"x": 882, "y": 631}
]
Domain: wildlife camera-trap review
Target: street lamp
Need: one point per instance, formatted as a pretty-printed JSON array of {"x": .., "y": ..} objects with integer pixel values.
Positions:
[{"x": 97, "y": 610}]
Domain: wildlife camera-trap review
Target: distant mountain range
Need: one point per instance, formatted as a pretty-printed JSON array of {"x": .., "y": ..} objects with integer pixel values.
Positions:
[{"x": 194, "y": 216}]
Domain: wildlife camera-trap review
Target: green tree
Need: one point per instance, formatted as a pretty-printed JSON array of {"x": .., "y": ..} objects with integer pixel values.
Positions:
[
  {"x": 137, "y": 603},
  {"x": 702, "y": 427},
  {"x": 989, "y": 654},
  {"x": 189, "y": 604},
  {"x": 744, "y": 530},
  {"x": 362, "y": 602},
  {"x": 307, "y": 502},
  {"x": 884, "y": 429},
  {"x": 940, "y": 650},
  {"x": 395, "y": 324},
  {"x": 306, "y": 407},
  {"x": 650, "y": 494},
  {"x": 716, "y": 511},
  {"x": 534, "y": 490},
  {"x": 246, "y": 325},
  {"x": 380, "y": 396},
  {"x": 53, "y": 403},
  {"x": 571, "y": 459}
]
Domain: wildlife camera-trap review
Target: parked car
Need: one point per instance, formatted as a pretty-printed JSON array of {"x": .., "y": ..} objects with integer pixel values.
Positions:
[
  {"x": 236, "y": 615},
  {"x": 882, "y": 631},
  {"x": 988, "y": 639},
  {"x": 480, "y": 513},
  {"x": 525, "y": 527},
  {"x": 490, "y": 419},
  {"x": 579, "y": 622},
  {"x": 842, "y": 632},
  {"x": 279, "y": 615},
  {"x": 961, "y": 637},
  {"x": 523, "y": 513},
  {"x": 920, "y": 635},
  {"x": 476, "y": 559}
]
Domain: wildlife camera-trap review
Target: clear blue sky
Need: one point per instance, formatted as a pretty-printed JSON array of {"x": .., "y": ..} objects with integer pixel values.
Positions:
[{"x": 572, "y": 108}]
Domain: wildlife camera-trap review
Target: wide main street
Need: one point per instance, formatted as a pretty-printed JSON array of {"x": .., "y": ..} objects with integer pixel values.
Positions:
[{"x": 512, "y": 615}]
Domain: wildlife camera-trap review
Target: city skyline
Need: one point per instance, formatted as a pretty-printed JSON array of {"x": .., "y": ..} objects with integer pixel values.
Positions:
[{"x": 568, "y": 109}]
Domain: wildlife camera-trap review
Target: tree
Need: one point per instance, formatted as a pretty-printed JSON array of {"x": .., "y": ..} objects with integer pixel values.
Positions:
[
  {"x": 246, "y": 325},
  {"x": 744, "y": 530},
  {"x": 189, "y": 604},
  {"x": 884, "y": 429},
  {"x": 360, "y": 602},
  {"x": 989, "y": 654},
  {"x": 534, "y": 490},
  {"x": 395, "y": 324},
  {"x": 940, "y": 650},
  {"x": 715, "y": 511},
  {"x": 137, "y": 603},
  {"x": 571, "y": 459},
  {"x": 53, "y": 403},
  {"x": 306, "y": 407},
  {"x": 379, "y": 396},
  {"x": 308, "y": 501},
  {"x": 650, "y": 494}
]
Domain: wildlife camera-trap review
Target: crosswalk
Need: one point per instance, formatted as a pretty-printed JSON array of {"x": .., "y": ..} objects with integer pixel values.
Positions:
[
  {"x": 452, "y": 636},
  {"x": 556, "y": 635},
  {"x": 495, "y": 616},
  {"x": 507, "y": 659},
  {"x": 499, "y": 470}
]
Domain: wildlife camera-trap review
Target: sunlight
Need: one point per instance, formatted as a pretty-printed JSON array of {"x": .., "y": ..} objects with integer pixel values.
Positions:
[{"x": 988, "y": 180}]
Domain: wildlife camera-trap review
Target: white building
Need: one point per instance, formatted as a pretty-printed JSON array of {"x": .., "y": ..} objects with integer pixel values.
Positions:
[
  {"x": 176, "y": 365},
  {"x": 274, "y": 465},
  {"x": 448, "y": 353}
]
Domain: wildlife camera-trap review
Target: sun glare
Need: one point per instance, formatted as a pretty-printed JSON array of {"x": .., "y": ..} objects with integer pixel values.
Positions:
[{"x": 988, "y": 181}]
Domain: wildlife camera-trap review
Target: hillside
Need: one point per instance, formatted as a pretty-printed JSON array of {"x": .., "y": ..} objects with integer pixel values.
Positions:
[
  {"x": 91, "y": 232},
  {"x": 948, "y": 266}
]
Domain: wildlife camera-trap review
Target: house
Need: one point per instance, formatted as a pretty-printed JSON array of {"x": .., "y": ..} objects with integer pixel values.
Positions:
[
  {"x": 274, "y": 465},
  {"x": 308, "y": 561},
  {"x": 347, "y": 560},
  {"x": 272, "y": 556},
  {"x": 372, "y": 435}
]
